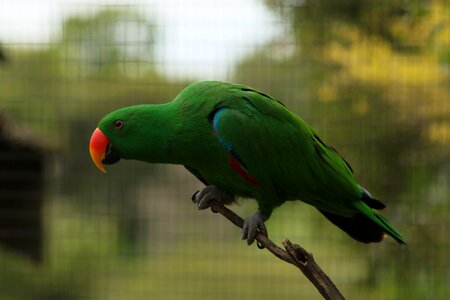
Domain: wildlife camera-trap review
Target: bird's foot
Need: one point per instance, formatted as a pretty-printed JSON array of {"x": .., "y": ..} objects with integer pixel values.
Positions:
[
  {"x": 252, "y": 225},
  {"x": 211, "y": 192}
]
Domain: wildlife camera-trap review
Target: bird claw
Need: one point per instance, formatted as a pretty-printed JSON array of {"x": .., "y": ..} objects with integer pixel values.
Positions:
[
  {"x": 252, "y": 225},
  {"x": 208, "y": 193}
]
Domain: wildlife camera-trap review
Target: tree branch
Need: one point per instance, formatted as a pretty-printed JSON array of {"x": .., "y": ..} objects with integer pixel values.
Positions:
[{"x": 294, "y": 254}]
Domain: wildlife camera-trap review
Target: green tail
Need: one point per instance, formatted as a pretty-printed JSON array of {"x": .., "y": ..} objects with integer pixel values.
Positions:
[{"x": 380, "y": 221}]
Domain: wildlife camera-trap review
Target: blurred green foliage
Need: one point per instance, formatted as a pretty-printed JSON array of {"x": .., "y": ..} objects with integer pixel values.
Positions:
[{"x": 372, "y": 77}]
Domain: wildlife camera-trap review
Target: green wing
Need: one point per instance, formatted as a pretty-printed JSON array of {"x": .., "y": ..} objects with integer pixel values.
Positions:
[{"x": 283, "y": 153}]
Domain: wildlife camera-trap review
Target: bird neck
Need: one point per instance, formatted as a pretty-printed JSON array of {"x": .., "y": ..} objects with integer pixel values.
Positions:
[{"x": 156, "y": 133}]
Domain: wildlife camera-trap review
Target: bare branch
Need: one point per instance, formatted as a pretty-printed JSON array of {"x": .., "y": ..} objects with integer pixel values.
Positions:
[{"x": 294, "y": 254}]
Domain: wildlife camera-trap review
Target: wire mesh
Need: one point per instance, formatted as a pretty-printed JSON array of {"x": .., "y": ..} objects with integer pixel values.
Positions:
[{"x": 371, "y": 77}]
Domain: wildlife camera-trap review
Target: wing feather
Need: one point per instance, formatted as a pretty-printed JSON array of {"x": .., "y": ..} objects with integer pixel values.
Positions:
[{"x": 284, "y": 154}]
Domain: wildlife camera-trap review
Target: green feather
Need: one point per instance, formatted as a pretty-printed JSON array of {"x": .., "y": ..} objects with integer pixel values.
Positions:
[{"x": 381, "y": 221}]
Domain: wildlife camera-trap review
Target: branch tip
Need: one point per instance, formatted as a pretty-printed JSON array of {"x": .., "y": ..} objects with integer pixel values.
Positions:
[{"x": 294, "y": 254}]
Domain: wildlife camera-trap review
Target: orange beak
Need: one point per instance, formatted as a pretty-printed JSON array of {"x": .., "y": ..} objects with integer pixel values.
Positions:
[{"x": 97, "y": 148}]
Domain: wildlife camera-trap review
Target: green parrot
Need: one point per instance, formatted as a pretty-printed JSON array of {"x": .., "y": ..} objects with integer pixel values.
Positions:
[{"x": 243, "y": 143}]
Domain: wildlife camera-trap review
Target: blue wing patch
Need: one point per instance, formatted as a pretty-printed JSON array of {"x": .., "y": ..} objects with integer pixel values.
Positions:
[{"x": 236, "y": 162}]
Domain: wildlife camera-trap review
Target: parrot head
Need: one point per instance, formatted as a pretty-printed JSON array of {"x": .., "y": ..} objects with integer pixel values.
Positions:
[
  {"x": 106, "y": 141},
  {"x": 134, "y": 132}
]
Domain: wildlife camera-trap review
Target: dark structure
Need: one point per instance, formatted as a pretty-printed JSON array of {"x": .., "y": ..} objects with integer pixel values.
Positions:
[
  {"x": 21, "y": 191},
  {"x": 2, "y": 56}
]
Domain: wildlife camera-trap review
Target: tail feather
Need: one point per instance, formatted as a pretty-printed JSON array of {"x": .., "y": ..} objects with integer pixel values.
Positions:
[
  {"x": 390, "y": 230},
  {"x": 367, "y": 226},
  {"x": 358, "y": 227}
]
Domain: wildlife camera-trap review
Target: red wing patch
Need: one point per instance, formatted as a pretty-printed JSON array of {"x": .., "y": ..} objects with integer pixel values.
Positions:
[
  {"x": 236, "y": 163},
  {"x": 241, "y": 171}
]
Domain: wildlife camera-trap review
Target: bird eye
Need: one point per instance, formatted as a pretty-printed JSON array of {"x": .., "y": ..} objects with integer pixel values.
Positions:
[{"x": 118, "y": 124}]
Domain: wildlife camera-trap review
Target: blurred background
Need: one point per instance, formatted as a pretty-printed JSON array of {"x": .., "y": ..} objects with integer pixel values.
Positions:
[{"x": 372, "y": 78}]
